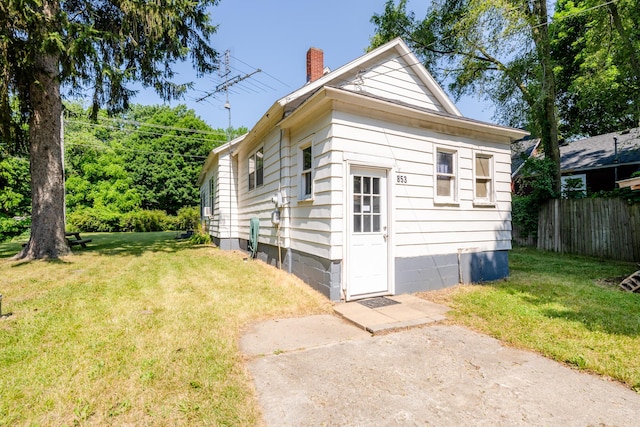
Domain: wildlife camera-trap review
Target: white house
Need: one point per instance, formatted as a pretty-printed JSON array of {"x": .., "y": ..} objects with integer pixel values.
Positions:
[{"x": 367, "y": 181}]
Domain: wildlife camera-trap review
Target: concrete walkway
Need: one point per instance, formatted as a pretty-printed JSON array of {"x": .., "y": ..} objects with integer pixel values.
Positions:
[
  {"x": 385, "y": 314},
  {"x": 323, "y": 370}
]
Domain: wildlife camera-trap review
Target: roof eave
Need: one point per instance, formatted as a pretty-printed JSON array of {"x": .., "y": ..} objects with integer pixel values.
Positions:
[{"x": 321, "y": 98}]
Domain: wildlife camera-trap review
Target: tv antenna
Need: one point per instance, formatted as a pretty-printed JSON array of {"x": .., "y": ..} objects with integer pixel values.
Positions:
[{"x": 224, "y": 73}]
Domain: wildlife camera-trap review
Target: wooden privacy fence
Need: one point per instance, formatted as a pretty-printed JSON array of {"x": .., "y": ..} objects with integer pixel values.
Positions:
[{"x": 605, "y": 228}]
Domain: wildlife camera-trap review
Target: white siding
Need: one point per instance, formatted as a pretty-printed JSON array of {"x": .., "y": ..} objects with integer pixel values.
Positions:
[
  {"x": 393, "y": 79},
  {"x": 422, "y": 226},
  {"x": 226, "y": 212},
  {"x": 315, "y": 224},
  {"x": 257, "y": 201},
  {"x": 223, "y": 223}
]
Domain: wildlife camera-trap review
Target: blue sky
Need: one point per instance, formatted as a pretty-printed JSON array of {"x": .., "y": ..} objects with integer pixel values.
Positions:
[{"x": 274, "y": 36}]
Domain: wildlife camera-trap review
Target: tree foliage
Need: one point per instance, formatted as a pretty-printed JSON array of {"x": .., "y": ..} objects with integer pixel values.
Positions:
[
  {"x": 15, "y": 195},
  {"x": 499, "y": 50},
  {"x": 86, "y": 46},
  {"x": 596, "y": 49},
  {"x": 165, "y": 155},
  {"x": 147, "y": 157}
]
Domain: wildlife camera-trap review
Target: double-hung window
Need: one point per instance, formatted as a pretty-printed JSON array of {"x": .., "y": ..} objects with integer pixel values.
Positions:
[
  {"x": 446, "y": 179},
  {"x": 483, "y": 192},
  {"x": 306, "y": 173},
  {"x": 256, "y": 169}
]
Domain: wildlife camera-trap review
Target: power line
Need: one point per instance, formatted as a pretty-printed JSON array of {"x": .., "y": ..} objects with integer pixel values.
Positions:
[
  {"x": 110, "y": 127},
  {"x": 108, "y": 147},
  {"x": 153, "y": 125}
]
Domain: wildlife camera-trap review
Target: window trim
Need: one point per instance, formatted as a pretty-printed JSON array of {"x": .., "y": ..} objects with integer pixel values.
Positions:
[
  {"x": 257, "y": 180},
  {"x": 490, "y": 199},
  {"x": 453, "y": 199},
  {"x": 303, "y": 173},
  {"x": 212, "y": 193},
  {"x": 203, "y": 202}
]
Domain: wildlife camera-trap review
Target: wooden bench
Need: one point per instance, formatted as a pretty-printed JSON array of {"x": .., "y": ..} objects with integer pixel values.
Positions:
[{"x": 77, "y": 240}]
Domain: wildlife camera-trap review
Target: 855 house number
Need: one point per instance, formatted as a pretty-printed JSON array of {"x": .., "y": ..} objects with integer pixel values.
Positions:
[{"x": 401, "y": 179}]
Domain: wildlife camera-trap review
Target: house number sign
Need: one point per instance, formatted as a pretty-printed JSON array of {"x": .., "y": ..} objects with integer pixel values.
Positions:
[{"x": 401, "y": 179}]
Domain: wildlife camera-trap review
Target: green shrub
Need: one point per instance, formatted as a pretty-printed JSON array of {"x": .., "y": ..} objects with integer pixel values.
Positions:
[
  {"x": 94, "y": 219},
  {"x": 10, "y": 227},
  {"x": 142, "y": 221},
  {"x": 535, "y": 187},
  {"x": 102, "y": 219},
  {"x": 200, "y": 238},
  {"x": 188, "y": 218}
]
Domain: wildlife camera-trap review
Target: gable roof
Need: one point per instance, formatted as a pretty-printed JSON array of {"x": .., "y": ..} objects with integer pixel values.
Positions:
[
  {"x": 522, "y": 150},
  {"x": 362, "y": 73},
  {"x": 372, "y": 76},
  {"x": 213, "y": 154},
  {"x": 615, "y": 148}
]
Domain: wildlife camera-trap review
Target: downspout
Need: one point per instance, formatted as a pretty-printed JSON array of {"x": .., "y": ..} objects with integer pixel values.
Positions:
[
  {"x": 280, "y": 186},
  {"x": 278, "y": 235}
]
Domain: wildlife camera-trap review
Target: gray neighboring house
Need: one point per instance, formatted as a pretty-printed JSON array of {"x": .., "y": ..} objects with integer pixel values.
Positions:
[{"x": 598, "y": 162}]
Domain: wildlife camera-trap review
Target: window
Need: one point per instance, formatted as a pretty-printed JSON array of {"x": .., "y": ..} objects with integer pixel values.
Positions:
[
  {"x": 306, "y": 174},
  {"x": 367, "y": 202},
  {"x": 446, "y": 175},
  {"x": 484, "y": 178},
  {"x": 574, "y": 186},
  {"x": 203, "y": 202},
  {"x": 211, "y": 193},
  {"x": 256, "y": 169}
]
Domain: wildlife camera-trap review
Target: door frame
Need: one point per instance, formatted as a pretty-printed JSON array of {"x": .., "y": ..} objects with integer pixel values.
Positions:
[{"x": 387, "y": 171}]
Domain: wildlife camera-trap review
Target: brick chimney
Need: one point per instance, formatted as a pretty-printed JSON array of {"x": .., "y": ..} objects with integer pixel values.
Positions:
[{"x": 315, "y": 64}]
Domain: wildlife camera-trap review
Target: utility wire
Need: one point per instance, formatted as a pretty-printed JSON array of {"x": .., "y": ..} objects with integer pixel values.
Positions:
[
  {"x": 108, "y": 147},
  {"x": 153, "y": 125},
  {"x": 129, "y": 131}
]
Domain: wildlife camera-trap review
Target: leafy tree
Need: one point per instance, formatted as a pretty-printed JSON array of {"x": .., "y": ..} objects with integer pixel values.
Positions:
[
  {"x": 86, "y": 45},
  {"x": 164, "y": 155},
  {"x": 14, "y": 195},
  {"x": 95, "y": 173},
  {"x": 496, "y": 49},
  {"x": 147, "y": 157},
  {"x": 596, "y": 48}
]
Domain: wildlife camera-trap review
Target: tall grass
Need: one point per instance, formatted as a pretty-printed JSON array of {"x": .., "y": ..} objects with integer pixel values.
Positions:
[
  {"x": 566, "y": 307},
  {"x": 137, "y": 329}
]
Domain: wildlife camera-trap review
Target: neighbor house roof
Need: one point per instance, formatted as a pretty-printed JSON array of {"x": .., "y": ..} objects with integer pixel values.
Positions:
[{"x": 602, "y": 151}]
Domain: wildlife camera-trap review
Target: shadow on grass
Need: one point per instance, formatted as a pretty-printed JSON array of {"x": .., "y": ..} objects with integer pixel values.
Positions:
[{"x": 110, "y": 244}]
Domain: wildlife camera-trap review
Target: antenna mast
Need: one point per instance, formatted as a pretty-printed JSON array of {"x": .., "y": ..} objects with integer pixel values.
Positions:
[{"x": 224, "y": 73}]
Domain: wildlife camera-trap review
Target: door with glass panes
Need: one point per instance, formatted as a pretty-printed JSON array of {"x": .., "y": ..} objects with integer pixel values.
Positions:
[{"x": 368, "y": 251}]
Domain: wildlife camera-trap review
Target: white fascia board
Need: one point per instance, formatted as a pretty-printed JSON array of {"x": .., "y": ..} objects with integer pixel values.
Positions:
[
  {"x": 322, "y": 97},
  {"x": 206, "y": 166},
  {"x": 213, "y": 155},
  {"x": 424, "y": 74},
  {"x": 231, "y": 144}
]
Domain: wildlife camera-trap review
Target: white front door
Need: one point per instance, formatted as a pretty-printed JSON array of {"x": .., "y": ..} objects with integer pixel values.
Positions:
[{"x": 368, "y": 250}]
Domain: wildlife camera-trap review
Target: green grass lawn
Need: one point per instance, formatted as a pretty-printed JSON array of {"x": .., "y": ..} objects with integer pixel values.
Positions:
[
  {"x": 143, "y": 329},
  {"x": 566, "y": 307},
  {"x": 137, "y": 329}
]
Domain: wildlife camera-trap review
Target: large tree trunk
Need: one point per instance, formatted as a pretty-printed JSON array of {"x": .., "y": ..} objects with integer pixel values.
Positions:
[
  {"x": 545, "y": 109},
  {"x": 47, "y": 171}
]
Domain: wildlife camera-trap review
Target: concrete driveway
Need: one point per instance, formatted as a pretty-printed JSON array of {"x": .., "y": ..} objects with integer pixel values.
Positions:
[{"x": 324, "y": 371}]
